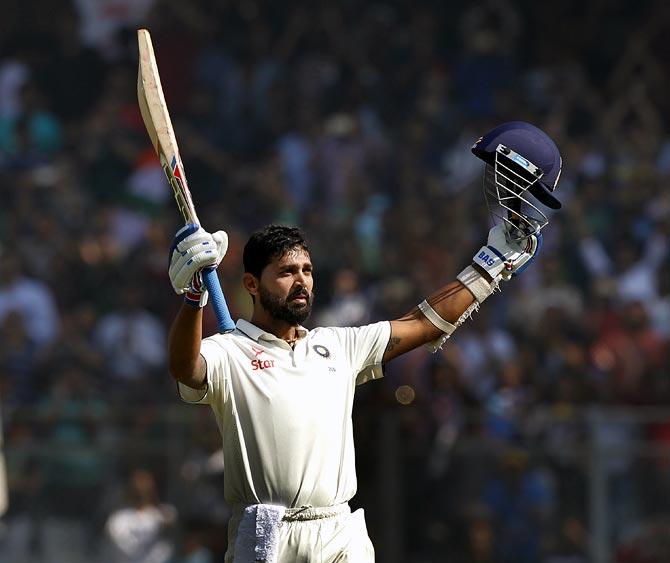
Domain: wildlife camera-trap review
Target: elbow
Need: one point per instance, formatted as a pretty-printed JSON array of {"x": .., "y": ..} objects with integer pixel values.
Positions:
[
  {"x": 191, "y": 373},
  {"x": 181, "y": 371}
]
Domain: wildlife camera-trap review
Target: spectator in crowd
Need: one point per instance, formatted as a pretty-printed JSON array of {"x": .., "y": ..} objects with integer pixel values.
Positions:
[
  {"x": 521, "y": 503},
  {"x": 30, "y": 298},
  {"x": 348, "y": 306},
  {"x": 140, "y": 532},
  {"x": 193, "y": 548},
  {"x": 71, "y": 417},
  {"x": 131, "y": 339},
  {"x": 30, "y": 137}
]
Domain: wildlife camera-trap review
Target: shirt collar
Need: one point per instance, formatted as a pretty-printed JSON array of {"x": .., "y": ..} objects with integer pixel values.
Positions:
[{"x": 255, "y": 333}]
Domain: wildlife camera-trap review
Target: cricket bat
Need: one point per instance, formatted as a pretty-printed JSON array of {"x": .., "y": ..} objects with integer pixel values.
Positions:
[{"x": 159, "y": 126}]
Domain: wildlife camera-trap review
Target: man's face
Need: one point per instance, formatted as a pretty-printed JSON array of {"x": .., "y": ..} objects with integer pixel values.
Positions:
[{"x": 285, "y": 287}]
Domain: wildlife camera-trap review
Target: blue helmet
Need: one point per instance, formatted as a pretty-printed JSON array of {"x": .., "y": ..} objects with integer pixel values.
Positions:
[{"x": 532, "y": 144}]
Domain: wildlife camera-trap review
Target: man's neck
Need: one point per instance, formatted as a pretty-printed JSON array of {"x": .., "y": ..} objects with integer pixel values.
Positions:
[{"x": 281, "y": 329}]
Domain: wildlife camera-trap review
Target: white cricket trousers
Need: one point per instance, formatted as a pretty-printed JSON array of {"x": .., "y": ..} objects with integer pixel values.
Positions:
[{"x": 316, "y": 535}]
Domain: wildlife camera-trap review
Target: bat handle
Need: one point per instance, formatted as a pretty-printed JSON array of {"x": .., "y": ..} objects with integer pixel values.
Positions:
[{"x": 218, "y": 301}]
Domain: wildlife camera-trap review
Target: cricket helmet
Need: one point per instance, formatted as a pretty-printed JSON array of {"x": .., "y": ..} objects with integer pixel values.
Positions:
[{"x": 521, "y": 160}]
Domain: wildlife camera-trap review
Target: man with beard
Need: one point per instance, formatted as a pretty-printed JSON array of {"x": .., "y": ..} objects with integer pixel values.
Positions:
[{"x": 283, "y": 395}]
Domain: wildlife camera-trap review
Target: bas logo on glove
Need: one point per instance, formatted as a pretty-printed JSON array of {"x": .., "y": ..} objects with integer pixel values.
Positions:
[
  {"x": 486, "y": 258},
  {"x": 503, "y": 258}
]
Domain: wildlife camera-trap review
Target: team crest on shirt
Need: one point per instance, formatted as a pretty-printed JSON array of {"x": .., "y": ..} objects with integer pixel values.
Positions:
[{"x": 321, "y": 350}]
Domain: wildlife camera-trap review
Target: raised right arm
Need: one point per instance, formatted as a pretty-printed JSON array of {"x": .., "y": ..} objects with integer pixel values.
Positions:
[
  {"x": 185, "y": 363},
  {"x": 192, "y": 250}
]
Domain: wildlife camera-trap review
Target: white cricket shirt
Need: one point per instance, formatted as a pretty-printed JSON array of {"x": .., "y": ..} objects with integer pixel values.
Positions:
[{"x": 285, "y": 414}]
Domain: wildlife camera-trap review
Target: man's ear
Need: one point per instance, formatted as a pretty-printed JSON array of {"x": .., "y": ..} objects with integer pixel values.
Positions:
[{"x": 250, "y": 283}]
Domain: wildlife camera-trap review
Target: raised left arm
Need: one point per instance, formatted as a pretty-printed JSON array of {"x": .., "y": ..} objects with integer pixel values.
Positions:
[
  {"x": 436, "y": 318},
  {"x": 414, "y": 329}
]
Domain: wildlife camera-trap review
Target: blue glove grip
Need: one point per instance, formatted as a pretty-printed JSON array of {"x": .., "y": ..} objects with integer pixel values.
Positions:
[{"x": 218, "y": 301}]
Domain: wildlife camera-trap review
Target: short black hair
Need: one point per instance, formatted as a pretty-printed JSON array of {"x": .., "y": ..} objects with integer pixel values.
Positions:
[{"x": 269, "y": 243}]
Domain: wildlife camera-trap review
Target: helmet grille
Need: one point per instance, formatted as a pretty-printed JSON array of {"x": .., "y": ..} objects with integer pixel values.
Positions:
[{"x": 506, "y": 183}]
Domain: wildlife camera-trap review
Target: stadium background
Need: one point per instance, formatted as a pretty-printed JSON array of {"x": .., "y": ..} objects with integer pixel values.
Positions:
[{"x": 541, "y": 432}]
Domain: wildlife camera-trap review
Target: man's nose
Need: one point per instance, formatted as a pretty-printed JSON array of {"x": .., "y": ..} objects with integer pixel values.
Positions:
[{"x": 301, "y": 279}]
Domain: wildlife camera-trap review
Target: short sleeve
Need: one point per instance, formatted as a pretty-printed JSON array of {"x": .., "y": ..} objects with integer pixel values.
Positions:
[
  {"x": 215, "y": 356},
  {"x": 364, "y": 348}
]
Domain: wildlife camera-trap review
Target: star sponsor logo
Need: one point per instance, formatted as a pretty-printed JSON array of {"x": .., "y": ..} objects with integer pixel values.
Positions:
[
  {"x": 257, "y": 351},
  {"x": 262, "y": 364},
  {"x": 258, "y": 363}
]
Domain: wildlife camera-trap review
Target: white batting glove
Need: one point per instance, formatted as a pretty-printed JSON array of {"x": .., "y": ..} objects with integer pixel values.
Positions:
[
  {"x": 503, "y": 258},
  {"x": 192, "y": 250}
]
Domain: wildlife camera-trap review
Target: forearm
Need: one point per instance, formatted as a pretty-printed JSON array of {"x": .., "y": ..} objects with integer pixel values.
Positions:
[
  {"x": 434, "y": 320},
  {"x": 414, "y": 329},
  {"x": 448, "y": 310},
  {"x": 449, "y": 302},
  {"x": 185, "y": 362}
]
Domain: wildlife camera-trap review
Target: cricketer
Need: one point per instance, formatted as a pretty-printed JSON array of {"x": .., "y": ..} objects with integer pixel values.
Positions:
[{"x": 283, "y": 395}]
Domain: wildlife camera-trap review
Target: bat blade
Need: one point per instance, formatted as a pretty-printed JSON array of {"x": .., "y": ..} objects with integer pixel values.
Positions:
[{"x": 159, "y": 127}]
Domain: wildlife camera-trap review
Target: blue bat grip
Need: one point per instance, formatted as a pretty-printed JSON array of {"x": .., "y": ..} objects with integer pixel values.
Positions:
[{"x": 218, "y": 301}]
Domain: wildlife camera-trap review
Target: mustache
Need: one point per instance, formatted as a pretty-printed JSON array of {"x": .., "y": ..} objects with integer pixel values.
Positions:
[{"x": 302, "y": 292}]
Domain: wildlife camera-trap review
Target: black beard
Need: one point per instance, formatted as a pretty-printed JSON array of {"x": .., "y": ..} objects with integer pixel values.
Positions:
[{"x": 283, "y": 310}]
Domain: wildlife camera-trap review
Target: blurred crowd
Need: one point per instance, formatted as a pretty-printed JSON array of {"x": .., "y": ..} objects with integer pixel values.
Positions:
[{"x": 353, "y": 121}]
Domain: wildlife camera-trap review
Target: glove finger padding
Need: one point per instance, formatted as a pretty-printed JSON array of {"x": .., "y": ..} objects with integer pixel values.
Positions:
[
  {"x": 195, "y": 258},
  {"x": 199, "y": 237},
  {"x": 533, "y": 247},
  {"x": 183, "y": 233},
  {"x": 196, "y": 251},
  {"x": 503, "y": 258},
  {"x": 221, "y": 240},
  {"x": 186, "y": 266},
  {"x": 187, "y": 230}
]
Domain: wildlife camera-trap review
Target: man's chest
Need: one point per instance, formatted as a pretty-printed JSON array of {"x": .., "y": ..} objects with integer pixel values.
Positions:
[{"x": 302, "y": 386}]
